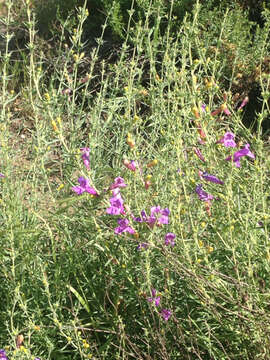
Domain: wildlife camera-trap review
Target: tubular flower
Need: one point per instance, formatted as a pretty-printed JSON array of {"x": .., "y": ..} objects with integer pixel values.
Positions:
[
  {"x": 84, "y": 187},
  {"x": 202, "y": 134},
  {"x": 227, "y": 140},
  {"x": 131, "y": 165},
  {"x": 85, "y": 157},
  {"x": 123, "y": 227},
  {"x": 244, "y": 103},
  {"x": 142, "y": 246},
  {"x": 158, "y": 216},
  {"x": 155, "y": 299},
  {"x": 222, "y": 108},
  {"x": 169, "y": 239},
  {"x": 117, "y": 204},
  {"x": 118, "y": 183},
  {"x": 166, "y": 314},
  {"x": 203, "y": 195},
  {"x": 205, "y": 176},
  {"x": 238, "y": 154},
  {"x": 3, "y": 355}
]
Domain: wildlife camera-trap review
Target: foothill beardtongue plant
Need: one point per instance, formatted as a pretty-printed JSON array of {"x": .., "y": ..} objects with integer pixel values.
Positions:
[{"x": 155, "y": 299}]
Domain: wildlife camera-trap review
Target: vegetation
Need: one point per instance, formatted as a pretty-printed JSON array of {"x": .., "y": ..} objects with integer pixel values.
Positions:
[{"x": 134, "y": 181}]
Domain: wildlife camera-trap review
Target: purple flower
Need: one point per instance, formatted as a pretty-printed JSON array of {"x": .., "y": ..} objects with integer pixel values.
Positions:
[
  {"x": 2, "y": 175},
  {"x": 131, "y": 165},
  {"x": 118, "y": 183},
  {"x": 142, "y": 246},
  {"x": 143, "y": 217},
  {"x": 204, "y": 175},
  {"x": 166, "y": 314},
  {"x": 238, "y": 154},
  {"x": 203, "y": 195},
  {"x": 154, "y": 298},
  {"x": 84, "y": 187},
  {"x": 203, "y": 107},
  {"x": 227, "y": 140},
  {"x": 169, "y": 239},
  {"x": 158, "y": 216},
  {"x": 85, "y": 157},
  {"x": 117, "y": 204},
  {"x": 123, "y": 227},
  {"x": 3, "y": 355}
]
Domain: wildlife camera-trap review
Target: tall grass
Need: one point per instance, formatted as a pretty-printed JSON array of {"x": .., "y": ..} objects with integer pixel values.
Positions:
[{"x": 75, "y": 282}]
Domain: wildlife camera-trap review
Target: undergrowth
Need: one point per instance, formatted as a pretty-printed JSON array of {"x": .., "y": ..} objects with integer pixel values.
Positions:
[{"x": 134, "y": 201}]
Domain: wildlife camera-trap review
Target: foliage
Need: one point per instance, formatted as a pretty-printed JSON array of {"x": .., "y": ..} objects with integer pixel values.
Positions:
[{"x": 84, "y": 272}]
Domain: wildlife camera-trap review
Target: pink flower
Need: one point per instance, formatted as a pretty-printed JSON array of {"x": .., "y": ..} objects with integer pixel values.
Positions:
[
  {"x": 85, "y": 157},
  {"x": 131, "y": 165},
  {"x": 244, "y": 102}
]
